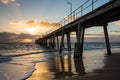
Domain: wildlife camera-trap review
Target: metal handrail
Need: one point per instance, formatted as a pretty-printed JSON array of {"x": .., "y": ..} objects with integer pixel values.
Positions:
[{"x": 73, "y": 15}]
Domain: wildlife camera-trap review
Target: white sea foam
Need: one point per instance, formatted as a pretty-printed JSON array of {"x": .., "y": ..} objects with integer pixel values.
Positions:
[{"x": 27, "y": 74}]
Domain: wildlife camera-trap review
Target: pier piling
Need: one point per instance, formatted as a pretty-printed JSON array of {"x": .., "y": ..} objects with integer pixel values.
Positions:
[
  {"x": 68, "y": 42},
  {"x": 80, "y": 40},
  {"x": 57, "y": 43},
  {"x": 62, "y": 42},
  {"x": 107, "y": 39}
]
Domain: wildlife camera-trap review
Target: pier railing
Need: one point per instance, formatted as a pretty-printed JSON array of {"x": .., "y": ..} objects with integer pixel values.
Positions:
[{"x": 86, "y": 7}]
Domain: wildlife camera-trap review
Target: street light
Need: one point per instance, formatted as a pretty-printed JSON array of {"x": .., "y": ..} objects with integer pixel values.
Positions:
[
  {"x": 70, "y": 10},
  {"x": 70, "y": 7}
]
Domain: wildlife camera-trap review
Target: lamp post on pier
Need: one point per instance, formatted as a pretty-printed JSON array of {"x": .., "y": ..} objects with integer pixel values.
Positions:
[{"x": 70, "y": 8}]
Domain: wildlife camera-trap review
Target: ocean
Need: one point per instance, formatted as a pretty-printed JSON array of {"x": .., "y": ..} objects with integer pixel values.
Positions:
[{"x": 18, "y": 60}]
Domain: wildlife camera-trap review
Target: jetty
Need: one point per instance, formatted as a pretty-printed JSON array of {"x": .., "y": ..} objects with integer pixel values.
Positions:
[{"x": 79, "y": 20}]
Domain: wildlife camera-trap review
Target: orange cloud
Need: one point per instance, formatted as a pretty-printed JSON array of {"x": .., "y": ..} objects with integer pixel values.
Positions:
[
  {"x": 31, "y": 23},
  {"x": 26, "y": 40},
  {"x": 117, "y": 23},
  {"x": 7, "y": 1},
  {"x": 34, "y": 23},
  {"x": 48, "y": 24},
  {"x": 70, "y": 19},
  {"x": 15, "y": 22}
]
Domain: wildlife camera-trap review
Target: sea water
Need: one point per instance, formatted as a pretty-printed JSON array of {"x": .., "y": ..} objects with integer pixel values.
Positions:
[{"x": 17, "y": 60}]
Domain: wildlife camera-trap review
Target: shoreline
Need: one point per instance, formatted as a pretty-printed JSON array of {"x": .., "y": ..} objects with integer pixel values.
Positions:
[{"x": 109, "y": 71}]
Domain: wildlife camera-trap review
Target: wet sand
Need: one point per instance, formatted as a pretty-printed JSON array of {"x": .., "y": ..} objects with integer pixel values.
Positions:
[
  {"x": 67, "y": 68},
  {"x": 111, "y": 70}
]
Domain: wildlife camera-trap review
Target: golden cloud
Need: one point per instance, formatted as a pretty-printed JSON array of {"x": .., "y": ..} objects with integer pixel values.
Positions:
[
  {"x": 31, "y": 23},
  {"x": 12, "y": 0},
  {"x": 34, "y": 23},
  {"x": 48, "y": 24},
  {"x": 7, "y": 1},
  {"x": 70, "y": 19},
  {"x": 117, "y": 23},
  {"x": 27, "y": 40},
  {"x": 15, "y": 22}
]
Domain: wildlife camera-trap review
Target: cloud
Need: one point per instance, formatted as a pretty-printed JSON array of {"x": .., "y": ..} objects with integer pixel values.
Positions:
[
  {"x": 34, "y": 23},
  {"x": 117, "y": 23},
  {"x": 101, "y": 38},
  {"x": 115, "y": 31},
  {"x": 7, "y": 1},
  {"x": 93, "y": 35},
  {"x": 31, "y": 23},
  {"x": 70, "y": 19},
  {"x": 16, "y": 22},
  {"x": 12, "y": 0},
  {"x": 6, "y": 37},
  {"x": 48, "y": 24}
]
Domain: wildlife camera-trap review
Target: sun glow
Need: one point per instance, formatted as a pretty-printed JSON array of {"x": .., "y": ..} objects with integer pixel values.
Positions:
[
  {"x": 27, "y": 40},
  {"x": 36, "y": 30},
  {"x": 30, "y": 30}
]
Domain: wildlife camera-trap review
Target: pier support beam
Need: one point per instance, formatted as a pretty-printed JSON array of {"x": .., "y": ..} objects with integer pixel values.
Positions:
[
  {"x": 57, "y": 43},
  {"x": 62, "y": 42},
  {"x": 50, "y": 42},
  {"x": 82, "y": 39},
  {"x": 107, "y": 39},
  {"x": 45, "y": 42},
  {"x": 54, "y": 41},
  {"x": 79, "y": 44},
  {"x": 68, "y": 42}
]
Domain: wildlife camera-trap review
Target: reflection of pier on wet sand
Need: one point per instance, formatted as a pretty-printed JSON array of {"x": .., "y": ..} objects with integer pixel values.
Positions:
[
  {"x": 58, "y": 67},
  {"x": 67, "y": 68},
  {"x": 111, "y": 70}
]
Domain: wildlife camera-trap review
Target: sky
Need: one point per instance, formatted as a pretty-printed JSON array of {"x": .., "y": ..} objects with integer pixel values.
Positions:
[{"x": 36, "y": 17}]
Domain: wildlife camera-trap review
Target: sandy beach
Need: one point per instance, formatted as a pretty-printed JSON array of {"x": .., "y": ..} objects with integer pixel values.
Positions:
[
  {"x": 111, "y": 70},
  {"x": 67, "y": 68}
]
